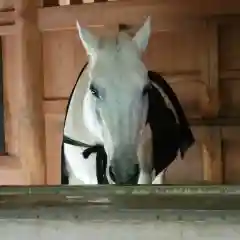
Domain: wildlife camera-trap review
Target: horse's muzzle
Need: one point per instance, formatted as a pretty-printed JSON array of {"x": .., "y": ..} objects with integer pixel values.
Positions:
[{"x": 127, "y": 177}]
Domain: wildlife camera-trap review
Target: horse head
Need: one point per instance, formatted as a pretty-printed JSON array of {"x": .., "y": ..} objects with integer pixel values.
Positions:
[{"x": 115, "y": 104}]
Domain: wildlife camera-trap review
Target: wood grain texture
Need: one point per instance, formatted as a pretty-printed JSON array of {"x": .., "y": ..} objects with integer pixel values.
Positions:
[{"x": 31, "y": 136}]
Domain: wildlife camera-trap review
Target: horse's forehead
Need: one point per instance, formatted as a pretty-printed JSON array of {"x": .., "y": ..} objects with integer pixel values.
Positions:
[
  {"x": 119, "y": 71},
  {"x": 121, "y": 79}
]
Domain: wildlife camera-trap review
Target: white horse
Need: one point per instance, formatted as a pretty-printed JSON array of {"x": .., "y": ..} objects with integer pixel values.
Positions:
[{"x": 106, "y": 135}]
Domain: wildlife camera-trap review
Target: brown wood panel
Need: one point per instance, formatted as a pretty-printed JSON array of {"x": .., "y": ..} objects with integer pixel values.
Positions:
[
  {"x": 186, "y": 171},
  {"x": 229, "y": 48},
  {"x": 6, "y": 5},
  {"x": 170, "y": 52},
  {"x": 53, "y": 130},
  {"x": 230, "y": 98},
  {"x": 131, "y": 12},
  {"x": 231, "y": 153},
  {"x": 50, "y": 3},
  {"x": 10, "y": 105},
  {"x": 212, "y": 156},
  {"x": 29, "y": 85},
  {"x": 63, "y": 57},
  {"x": 199, "y": 57}
]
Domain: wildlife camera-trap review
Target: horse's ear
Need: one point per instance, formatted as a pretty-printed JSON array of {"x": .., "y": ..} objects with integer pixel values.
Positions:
[
  {"x": 141, "y": 38},
  {"x": 89, "y": 41}
]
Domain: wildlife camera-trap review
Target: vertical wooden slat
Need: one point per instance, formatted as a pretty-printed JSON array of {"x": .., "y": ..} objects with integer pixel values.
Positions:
[
  {"x": 30, "y": 92},
  {"x": 212, "y": 156},
  {"x": 213, "y": 55},
  {"x": 204, "y": 65},
  {"x": 2, "y": 125},
  {"x": 209, "y": 69},
  {"x": 100, "y": 0},
  {"x": 212, "y": 148}
]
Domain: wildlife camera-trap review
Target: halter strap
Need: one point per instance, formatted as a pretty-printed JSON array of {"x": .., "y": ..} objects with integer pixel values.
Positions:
[{"x": 101, "y": 157}]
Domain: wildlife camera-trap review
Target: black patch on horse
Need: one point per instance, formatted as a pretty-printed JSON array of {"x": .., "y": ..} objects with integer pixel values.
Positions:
[{"x": 169, "y": 135}]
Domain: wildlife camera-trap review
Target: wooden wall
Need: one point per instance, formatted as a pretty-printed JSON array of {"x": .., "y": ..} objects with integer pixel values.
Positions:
[
  {"x": 195, "y": 45},
  {"x": 196, "y": 52}
]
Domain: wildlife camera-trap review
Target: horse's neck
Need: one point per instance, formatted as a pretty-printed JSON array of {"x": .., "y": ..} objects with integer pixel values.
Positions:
[{"x": 74, "y": 124}]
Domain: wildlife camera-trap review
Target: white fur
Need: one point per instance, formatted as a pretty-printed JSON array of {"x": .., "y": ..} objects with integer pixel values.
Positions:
[{"x": 120, "y": 75}]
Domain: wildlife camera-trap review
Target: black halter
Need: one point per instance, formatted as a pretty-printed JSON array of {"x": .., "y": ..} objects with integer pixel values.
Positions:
[{"x": 101, "y": 157}]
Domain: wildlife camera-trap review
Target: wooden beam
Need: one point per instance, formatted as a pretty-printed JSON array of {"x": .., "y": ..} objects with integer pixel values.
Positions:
[
  {"x": 166, "y": 16},
  {"x": 230, "y": 127},
  {"x": 7, "y": 23},
  {"x": 50, "y": 3},
  {"x": 30, "y": 93},
  {"x": 7, "y": 17},
  {"x": 212, "y": 106},
  {"x": 212, "y": 156},
  {"x": 8, "y": 30},
  {"x": 11, "y": 172},
  {"x": 6, "y": 5}
]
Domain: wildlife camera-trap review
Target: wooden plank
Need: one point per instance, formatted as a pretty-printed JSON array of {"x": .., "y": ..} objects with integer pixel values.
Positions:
[
  {"x": 204, "y": 66},
  {"x": 213, "y": 56},
  {"x": 30, "y": 92},
  {"x": 7, "y": 17},
  {"x": 7, "y": 23},
  {"x": 10, "y": 90},
  {"x": 2, "y": 118},
  {"x": 76, "y": 1},
  {"x": 230, "y": 98},
  {"x": 133, "y": 13},
  {"x": 6, "y": 5},
  {"x": 229, "y": 75},
  {"x": 114, "y": 13},
  {"x": 231, "y": 152},
  {"x": 212, "y": 156},
  {"x": 209, "y": 66},
  {"x": 8, "y": 30},
  {"x": 230, "y": 127},
  {"x": 50, "y": 3},
  {"x": 182, "y": 197},
  {"x": 11, "y": 172}
]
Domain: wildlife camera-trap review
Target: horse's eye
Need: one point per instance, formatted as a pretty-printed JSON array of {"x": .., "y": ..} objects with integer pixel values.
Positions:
[
  {"x": 146, "y": 89},
  {"x": 94, "y": 91}
]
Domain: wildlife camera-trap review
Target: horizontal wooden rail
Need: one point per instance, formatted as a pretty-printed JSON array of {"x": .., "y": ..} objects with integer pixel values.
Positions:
[
  {"x": 124, "y": 197},
  {"x": 113, "y": 13},
  {"x": 165, "y": 14},
  {"x": 8, "y": 30},
  {"x": 7, "y": 23},
  {"x": 7, "y": 17},
  {"x": 229, "y": 127}
]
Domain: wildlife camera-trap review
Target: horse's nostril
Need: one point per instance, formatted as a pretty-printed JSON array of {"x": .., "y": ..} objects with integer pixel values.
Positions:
[{"x": 126, "y": 177}]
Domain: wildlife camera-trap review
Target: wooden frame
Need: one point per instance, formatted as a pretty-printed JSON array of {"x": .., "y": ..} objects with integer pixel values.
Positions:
[
  {"x": 21, "y": 29},
  {"x": 102, "y": 203},
  {"x": 24, "y": 163},
  {"x": 166, "y": 16}
]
